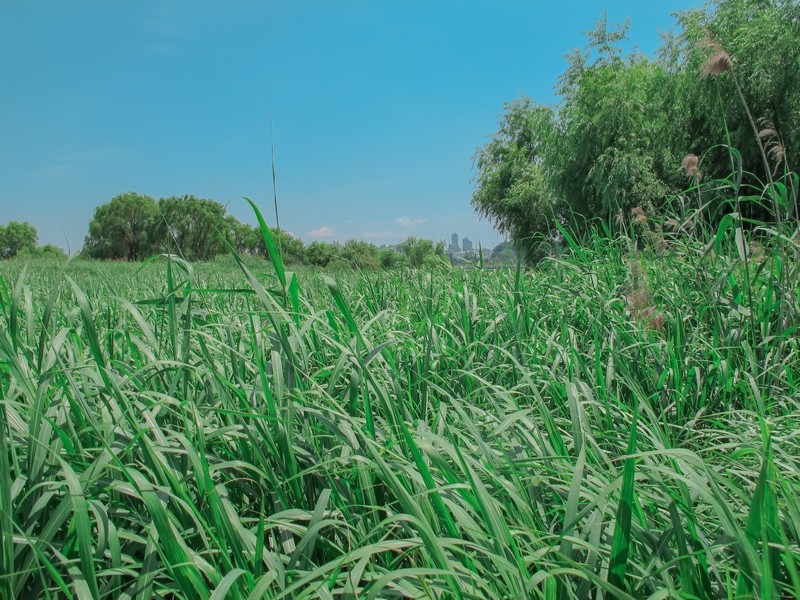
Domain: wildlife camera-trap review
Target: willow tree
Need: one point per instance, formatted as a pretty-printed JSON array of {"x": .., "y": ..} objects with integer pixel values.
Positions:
[{"x": 120, "y": 228}]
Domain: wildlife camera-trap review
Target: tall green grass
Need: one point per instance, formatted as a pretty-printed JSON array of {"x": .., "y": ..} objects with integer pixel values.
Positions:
[{"x": 621, "y": 421}]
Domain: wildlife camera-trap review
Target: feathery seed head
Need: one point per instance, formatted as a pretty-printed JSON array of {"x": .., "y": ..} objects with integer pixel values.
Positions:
[
  {"x": 637, "y": 216},
  {"x": 719, "y": 60},
  {"x": 689, "y": 164},
  {"x": 772, "y": 144},
  {"x": 767, "y": 132},
  {"x": 638, "y": 299},
  {"x": 653, "y": 318}
]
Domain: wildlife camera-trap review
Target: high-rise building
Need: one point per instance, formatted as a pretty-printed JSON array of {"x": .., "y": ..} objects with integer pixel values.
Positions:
[
  {"x": 453, "y": 247},
  {"x": 466, "y": 244}
]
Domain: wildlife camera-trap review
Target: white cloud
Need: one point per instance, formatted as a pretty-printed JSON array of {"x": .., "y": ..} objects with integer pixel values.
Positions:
[
  {"x": 322, "y": 232},
  {"x": 409, "y": 221},
  {"x": 379, "y": 235}
]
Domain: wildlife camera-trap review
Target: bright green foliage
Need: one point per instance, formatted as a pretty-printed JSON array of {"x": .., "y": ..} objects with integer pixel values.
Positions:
[
  {"x": 17, "y": 237},
  {"x": 513, "y": 185},
  {"x": 762, "y": 38},
  {"x": 319, "y": 254},
  {"x": 189, "y": 227},
  {"x": 135, "y": 227},
  {"x": 46, "y": 251},
  {"x": 391, "y": 259},
  {"x": 353, "y": 254},
  {"x": 612, "y": 154},
  {"x": 360, "y": 255},
  {"x": 290, "y": 247},
  {"x": 197, "y": 431},
  {"x": 243, "y": 237},
  {"x": 422, "y": 252},
  {"x": 247, "y": 240},
  {"x": 623, "y": 124},
  {"x": 121, "y": 229}
]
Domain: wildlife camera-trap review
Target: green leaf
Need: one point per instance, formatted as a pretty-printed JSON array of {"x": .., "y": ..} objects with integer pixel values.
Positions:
[
  {"x": 269, "y": 241},
  {"x": 621, "y": 543}
]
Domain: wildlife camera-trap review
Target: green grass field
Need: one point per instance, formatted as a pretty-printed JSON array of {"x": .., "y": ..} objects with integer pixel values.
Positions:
[{"x": 612, "y": 422}]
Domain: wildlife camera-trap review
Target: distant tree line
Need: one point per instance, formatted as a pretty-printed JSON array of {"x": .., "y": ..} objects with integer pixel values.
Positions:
[
  {"x": 632, "y": 132},
  {"x": 20, "y": 238},
  {"x": 134, "y": 227}
]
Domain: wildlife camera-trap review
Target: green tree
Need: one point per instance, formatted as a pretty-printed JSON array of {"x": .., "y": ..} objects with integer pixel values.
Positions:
[
  {"x": 514, "y": 185},
  {"x": 320, "y": 254},
  {"x": 612, "y": 154},
  {"x": 249, "y": 240},
  {"x": 419, "y": 251},
  {"x": 360, "y": 255},
  {"x": 17, "y": 237},
  {"x": 761, "y": 40},
  {"x": 120, "y": 228},
  {"x": 189, "y": 226},
  {"x": 391, "y": 259},
  {"x": 240, "y": 235},
  {"x": 624, "y": 123},
  {"x": 46, "y": 251},
  {"x": 49, "y": 251},
  {"x": 291, "y": 248}
]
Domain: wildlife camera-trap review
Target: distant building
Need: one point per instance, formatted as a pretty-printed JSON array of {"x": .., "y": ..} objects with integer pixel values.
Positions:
[
  {"x": 453, "y": 248},
  {"x": 466, "y": 244}
]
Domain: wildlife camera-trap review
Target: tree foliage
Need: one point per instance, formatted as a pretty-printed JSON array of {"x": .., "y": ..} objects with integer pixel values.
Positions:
[
  {"x": 422, "y": 252},
  {"x": 762, "y": 39},
  {"x": 290, "y": 247},
  {"x": 189, "y": 226},
  {"x": 514, "y": 171},
  {"x": 623, "y": 123},
  {"x": 121, "y": 229},
  {"x": 611, "y": 154},
  {"x": 17, "y": 237},
  {"x": 46, "y": 251},
  {"x": 133, "y": 227}
]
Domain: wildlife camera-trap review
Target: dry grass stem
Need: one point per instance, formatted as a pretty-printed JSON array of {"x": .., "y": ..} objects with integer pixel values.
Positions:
[{"x": 619, "y": 219}]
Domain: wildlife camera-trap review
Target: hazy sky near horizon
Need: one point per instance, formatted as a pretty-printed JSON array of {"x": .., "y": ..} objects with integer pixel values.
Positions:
[{"x": 377, "y": 106}]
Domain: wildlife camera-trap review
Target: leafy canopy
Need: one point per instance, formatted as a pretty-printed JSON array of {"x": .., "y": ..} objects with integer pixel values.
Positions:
[
  {"x": 623, "y": 122},
  {"x": 17, "y": 237}
]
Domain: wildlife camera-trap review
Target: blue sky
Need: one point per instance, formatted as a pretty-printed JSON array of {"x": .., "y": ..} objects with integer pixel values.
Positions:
[{"x": 377, "y": 106}]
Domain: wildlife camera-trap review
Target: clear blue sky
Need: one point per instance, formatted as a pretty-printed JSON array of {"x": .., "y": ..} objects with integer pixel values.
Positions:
[{"x": 378, "y": 106}]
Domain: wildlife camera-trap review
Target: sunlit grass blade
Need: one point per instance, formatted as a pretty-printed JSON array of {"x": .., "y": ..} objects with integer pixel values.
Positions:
[
  {"x": 621, "y": 543},
  {"x": 269, "y": 241},
  {"x": 83, "y": 527}
]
